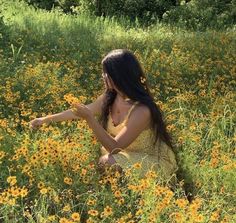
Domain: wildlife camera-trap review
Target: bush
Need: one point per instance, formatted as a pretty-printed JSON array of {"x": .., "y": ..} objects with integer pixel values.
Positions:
[
  {"x": 65, "y": 5},
  {"x": 4, "y": 30},
  {"x": 199, "y": 15},
  {"x": 146, "y": 11},
  {"x": 190, "y": 14},
  {"x": 45, "y": 4}
]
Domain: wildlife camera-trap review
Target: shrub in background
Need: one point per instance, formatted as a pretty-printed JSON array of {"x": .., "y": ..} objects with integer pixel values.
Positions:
[
  {"x": 146, "y": 11},
  {"x": 45, "y": 4},
  {"x": 190, "y": 14},
  {"x": 3, "y": 28},
  {"x": 200, "y": 14}
]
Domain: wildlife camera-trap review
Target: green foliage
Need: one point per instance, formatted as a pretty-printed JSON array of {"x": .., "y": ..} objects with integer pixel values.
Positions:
[
  {"x": 146, "y": 11},
  {"x": 190, "y": 14},
  {"x": 3, "y": 28},
  {"x": 45, "y": 4},
  {"x": 201, "y": 14},
  {"x": 71, "y": 6}
]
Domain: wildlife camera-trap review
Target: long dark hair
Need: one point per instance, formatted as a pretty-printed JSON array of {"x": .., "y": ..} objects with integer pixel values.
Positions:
[{"x": 127, "y": 74}]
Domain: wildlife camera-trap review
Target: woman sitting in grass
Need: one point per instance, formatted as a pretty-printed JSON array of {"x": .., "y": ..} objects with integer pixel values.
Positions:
[{"x": 131, "y": 128}]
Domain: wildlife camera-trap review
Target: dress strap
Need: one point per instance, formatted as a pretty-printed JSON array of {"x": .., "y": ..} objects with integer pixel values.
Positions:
[{"x": 130, "y": 110}]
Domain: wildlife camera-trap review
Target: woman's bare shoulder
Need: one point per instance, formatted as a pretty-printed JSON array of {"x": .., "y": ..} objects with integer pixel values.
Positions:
[
  {"x": 143, "y": 109},
  {"x": 141, "y": 112}
]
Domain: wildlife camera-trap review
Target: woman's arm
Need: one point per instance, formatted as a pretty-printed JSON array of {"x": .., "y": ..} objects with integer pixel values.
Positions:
[
  {"x": 94, "y": 107},
  {"x": 58, "y": 117},
  {"x": 137, "y": 122}
]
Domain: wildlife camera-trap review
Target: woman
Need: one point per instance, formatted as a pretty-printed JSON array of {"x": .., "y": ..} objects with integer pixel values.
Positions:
[{"x": 130, "y": 128}]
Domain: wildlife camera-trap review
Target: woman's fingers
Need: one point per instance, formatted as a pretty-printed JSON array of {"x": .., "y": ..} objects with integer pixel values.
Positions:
[
  {"x": 33, "y": 124},
  {"x": 82, "y": 110},
  {"x": 36, "y": 123}
]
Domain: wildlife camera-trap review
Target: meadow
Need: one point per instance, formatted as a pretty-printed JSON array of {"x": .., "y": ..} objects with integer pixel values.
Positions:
[{"x": 50, "y": 175}]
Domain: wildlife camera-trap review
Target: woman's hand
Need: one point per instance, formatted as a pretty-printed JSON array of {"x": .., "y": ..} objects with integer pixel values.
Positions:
[
  {"x": 37, "y": 122},
  {"x": 82, "y": 111}
]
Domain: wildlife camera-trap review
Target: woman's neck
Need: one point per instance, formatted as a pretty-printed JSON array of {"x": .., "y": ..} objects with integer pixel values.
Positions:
[{"x": 123, "y": 99}]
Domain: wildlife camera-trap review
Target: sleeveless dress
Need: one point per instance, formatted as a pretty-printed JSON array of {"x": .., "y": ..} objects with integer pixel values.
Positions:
[{"x": 159, "y": 158}]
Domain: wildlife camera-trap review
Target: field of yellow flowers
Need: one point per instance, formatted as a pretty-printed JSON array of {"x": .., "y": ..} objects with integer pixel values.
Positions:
[{"x": 50, "y": 174}]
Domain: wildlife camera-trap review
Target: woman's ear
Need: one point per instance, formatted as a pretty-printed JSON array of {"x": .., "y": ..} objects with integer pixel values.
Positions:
[{"x": 110, "y": 82}]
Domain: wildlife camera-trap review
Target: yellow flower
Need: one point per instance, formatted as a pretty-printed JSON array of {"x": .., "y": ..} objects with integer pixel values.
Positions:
[
  {"x": 43, "y": 190},
  {"x": 151, "y": 174},
  {"x": 24, "y": 192},
  {"x": 11, "y": 201},
  {"x": 170, "y": 127},
  {"x": 75, "y": 216},
  {"x": 66, "y": 208},
  {"x": 56, "y": 198},
  {"x": 51, "y": 218},
  {"x": 178, "y": 217},
  {"x": 93, "y": 212},
  {"x": 199, "y": 218},
  {"x": 137, "y": 165},
  {"x": 152, "y": 217},
  {"x": 63, "y": 220},
  {"x": 91, "y": 202},
  {"x": 139, "y": 212},
  {"x": 192, "y": 127},
  {"x": 169, "y": 194},
  {"x": 15, "y": 192},
  {"x": 83, "y": 172},
  {"x": 143, "y": 80},
  {"x": 45, "y": 162},
  {"x": 197, "y": 201},
  {"x": 193, "y": 208},
  {"x": 2, "y": 153},
  {"x": 117, "y": 193},
  {"x": 90, "y": 220},
  {"x": 107, "y": 211},
  {"x": 12, "y": 180},
  {"x": 121, "y": 201},
  {"x": 121, "y": 220},
  {"x": 40, "y": 185},
  {"x": 214, "y": 162},
  {"x": 181, "y": 202},
  {"x": 68, "y": 180},
  {"x": 71, "y": 99},
  {"x": 215, "y": 216},
  {"x": 26, "y": 168}
]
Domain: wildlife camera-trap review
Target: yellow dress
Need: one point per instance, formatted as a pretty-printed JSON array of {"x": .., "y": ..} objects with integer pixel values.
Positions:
[{"x": 159, "y": 158}]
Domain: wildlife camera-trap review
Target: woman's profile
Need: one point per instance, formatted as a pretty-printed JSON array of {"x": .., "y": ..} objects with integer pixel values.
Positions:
[{"x": 130, "y": 128}]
